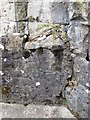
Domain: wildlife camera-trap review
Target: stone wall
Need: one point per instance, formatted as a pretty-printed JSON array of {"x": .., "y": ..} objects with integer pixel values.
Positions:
[{"x": 50, "y": 65}]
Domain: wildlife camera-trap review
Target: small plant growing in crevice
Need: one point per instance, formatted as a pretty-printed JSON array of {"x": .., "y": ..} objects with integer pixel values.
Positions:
[
  {"x": 65, "y": 102},
  {"x": 43, "y": 26}
]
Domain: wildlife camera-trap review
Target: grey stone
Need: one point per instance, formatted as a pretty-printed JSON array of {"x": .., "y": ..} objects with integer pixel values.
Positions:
[
  {"x": 21, "y": 27},
  {"x": 78, "y": 11},
  {"x": 78, "y": 38},
  {"x": 78, "y": 100},
  {"x": 48, "y": 42},
  {"x": 20, "y": 11},
  {"x": 34, "y": 9},
  {"x": 49, "y": 66},
  {"x": 38, "y": 72},
  {"x": 13, "y": 42},
  {"x": 11, "y": 12},
  {"x": 52, "y": 61},
  {"x": 81, "y": 70},
  {"x": 56, "y": 12},
  {"x": 34, "y": 111}
]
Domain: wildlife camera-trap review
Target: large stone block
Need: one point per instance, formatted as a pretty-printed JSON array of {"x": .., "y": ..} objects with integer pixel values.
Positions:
[
  {"x": 41, "y": 77},
  {"x": 59, "y": 12},
  {"x": 12, "y": 27},
  {"x": 56, "y": 12},
  {"x": 11, "y": 12},
  {"x": 21, "y": 27},
  {"x": 8, "y": 11},
  {"x": 34, "y": 9},
  {"x": 81, "y": 70},
  {"x": 78, "y": 100},
  {"x": 34, "y": 111},
  {"x": 78, "y": 11},
  {"x": 78, "y": 35},
  {"x": 20, "y": 11}
]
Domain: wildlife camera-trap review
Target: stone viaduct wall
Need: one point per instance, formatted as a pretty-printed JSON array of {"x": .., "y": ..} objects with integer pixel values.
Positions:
[{"x": 57, "y": 61}]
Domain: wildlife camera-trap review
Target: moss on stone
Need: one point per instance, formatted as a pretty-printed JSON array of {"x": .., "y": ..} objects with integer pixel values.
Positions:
[
  {"x": 65, "y": 37},
  {"x": 54, "y": 26},
  {"x": 31, "y": 19},
  {"x": 5, "y": 90},
  {"x": 43, "y": 26},
  {"x": 65, "y": 102}
]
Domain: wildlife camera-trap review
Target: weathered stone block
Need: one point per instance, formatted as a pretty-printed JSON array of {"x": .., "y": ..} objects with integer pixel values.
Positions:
[
  {"x": 11, "y": 12},
  {"x": 78, "y": 100},
  {"x": 34, "y": 111},
  {"x": 78, "y": 38},
  {"x": 34, "y": 9},
  {"x": 12, "y": 27},
  {"x": 56, "y": 12},
  {"x": 14, "y": 43},
  {"x": 78, "y": 11},
  {"x": 4, "y": 26},
  {"x": 81, "y": 70},
  {"x": 20, "y": 11},
  {"x": 41, "y": 77},
  {"x": 8, "y": 11},
  {"x": 21, "y": 27},
  {"x": 59, "y": 12}
]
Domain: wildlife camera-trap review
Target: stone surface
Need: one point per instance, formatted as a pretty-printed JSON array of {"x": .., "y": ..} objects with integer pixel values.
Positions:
[
  {"x": 56, "y": 12},
  {"x": 48, "y": 65},
  {"x": 54, "y": 60},
  {"x": 78, "y": 11},
  {"x": 18, "y": 1},
  {"x": 21, "y": 11},
  {"x": 34, "y": 111},
  {"x": 78, "y": 38},
  {"x": 59, "y": 12},
  {"x": 34, "y": 9},
  {"x": 78, "y": 100},
  {"x": 81, "y": 70}
]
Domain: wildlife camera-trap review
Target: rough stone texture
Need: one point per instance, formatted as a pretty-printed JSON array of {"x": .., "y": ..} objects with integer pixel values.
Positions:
[
  {"x": 34, "y": 8},
  {"x": 18, "y": 1},
  {"x": 21, "y": 11},
  {"x": 49, "y": 64},
  {"x": 81, "y": 70},
  {"x": 59, "y": 12},
  {"x": 54, "y": 60},
  {"x": 34, "y": 111},
  {"x": 56, "y": 11},
  {"x": 78, "y": 35},
  {"x": 79, "y": 97},
  {"x": 78, "y": 11}
]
